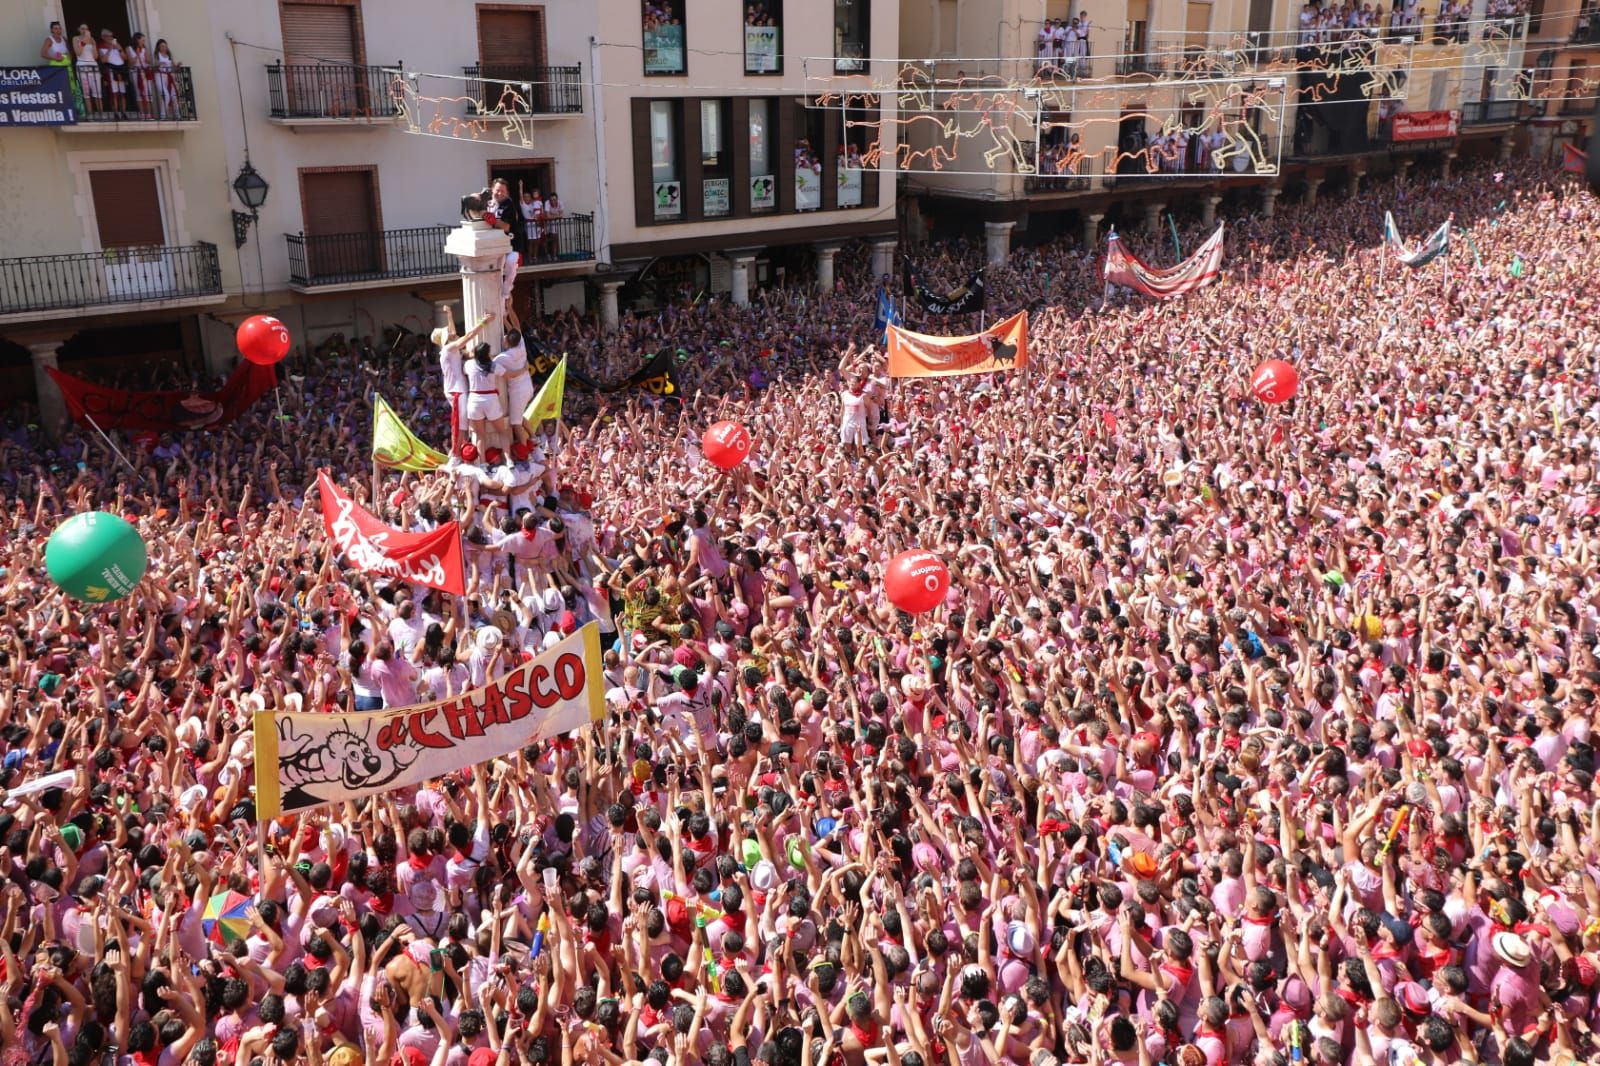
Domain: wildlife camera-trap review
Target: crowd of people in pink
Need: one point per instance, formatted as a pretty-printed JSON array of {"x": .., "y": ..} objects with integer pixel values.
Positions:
[{"x": 1246, "y": 734}]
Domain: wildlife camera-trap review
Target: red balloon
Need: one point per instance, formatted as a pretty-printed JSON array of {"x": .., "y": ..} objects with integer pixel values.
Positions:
[
  {"x": 726, "y": 445},
  {"x": 262, "y": 339},
  {"x": 1275, "y": 381},
  {"x": 916, "y": 581}
]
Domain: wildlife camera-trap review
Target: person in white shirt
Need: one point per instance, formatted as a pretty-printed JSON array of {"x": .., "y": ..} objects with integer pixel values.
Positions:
[
  {"x": 853, "y": 415},
  {"x": 513, "y": 366},
  {"x": 450, "y": 369},
  {"x": 517, "y": 478},
  {"x": 486, "y": 411}
]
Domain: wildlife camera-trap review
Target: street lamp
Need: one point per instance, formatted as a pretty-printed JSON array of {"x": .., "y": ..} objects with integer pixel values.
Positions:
[{"x": 251, "y": 189}]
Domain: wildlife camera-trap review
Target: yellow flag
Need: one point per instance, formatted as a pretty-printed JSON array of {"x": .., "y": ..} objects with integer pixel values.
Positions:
[
  {"x": 395, "y": 446},
  {"x": 548, "y": 403}
]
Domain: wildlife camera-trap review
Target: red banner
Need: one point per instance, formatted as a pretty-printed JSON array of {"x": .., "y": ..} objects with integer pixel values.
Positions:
[
  {"x": 431, "y": 559},
  {"x": 1573, "y": 160},
  {"x": 167, "y": 411},
  {"x": 1424, "y": 126}
]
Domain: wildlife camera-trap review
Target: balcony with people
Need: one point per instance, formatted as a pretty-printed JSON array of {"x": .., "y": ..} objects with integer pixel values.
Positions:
[{"x": 106, "y": 85}]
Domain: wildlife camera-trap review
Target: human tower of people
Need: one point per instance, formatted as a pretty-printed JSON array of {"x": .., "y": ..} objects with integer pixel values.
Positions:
[{"x": 1245, "y": 733}]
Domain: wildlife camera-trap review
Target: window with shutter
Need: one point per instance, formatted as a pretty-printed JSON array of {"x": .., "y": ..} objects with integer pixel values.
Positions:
[
  {"x": 127, "y": 208},
  {"x": 341, "y": 221},
  {"x": 1197, "y": 20},
  {"x": 319, "y": 33},
  {"x": 511, "y": 46}
]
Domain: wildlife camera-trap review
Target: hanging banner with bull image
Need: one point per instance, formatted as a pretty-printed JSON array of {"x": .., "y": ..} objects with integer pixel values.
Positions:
[
  {"x": 1003, "y": 346},
  {"x": 310, "y": 760}
]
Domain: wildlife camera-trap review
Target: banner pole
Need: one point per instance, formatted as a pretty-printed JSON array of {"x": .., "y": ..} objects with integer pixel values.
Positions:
[
  {"x": 1176, "y": 246},
  {"x": 377, "y": 507},
  {"x": 117, "y": 451}
]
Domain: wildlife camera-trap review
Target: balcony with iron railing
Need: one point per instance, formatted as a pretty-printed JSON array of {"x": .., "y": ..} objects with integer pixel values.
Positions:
[
  {"x": 516, "y": 90},
  {"x": 370, "y": 260},
  {"x": 35, "y": 286},
  {"x": 1057, "y": 173},
  {"x": 149, "y": 100},
  {"x": 329, "y": 94},
  {"x": 1488, "y": 112}
]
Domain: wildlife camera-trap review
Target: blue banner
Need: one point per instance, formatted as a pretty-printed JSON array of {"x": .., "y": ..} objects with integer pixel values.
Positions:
[{"x": 36, "y": 96}]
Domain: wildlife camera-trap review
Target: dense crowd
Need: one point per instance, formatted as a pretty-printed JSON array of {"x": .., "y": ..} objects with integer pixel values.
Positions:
[{"x": 1246, "y": 734}]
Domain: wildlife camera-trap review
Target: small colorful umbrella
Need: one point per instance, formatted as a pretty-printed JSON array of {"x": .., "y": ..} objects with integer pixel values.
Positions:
[{"x": 224, "y": 920}]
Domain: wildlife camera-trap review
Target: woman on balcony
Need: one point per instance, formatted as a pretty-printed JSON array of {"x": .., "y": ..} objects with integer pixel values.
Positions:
[
  {"x": 88, "y": 57},
  {"x": 115, "y": 67},
  {"x": 142, "y": 75},
  {"x": 167, "y": 80},
  {"x": 552, "y": 233}
]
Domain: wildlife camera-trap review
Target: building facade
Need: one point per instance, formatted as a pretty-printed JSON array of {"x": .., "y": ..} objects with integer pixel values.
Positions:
[
  {"x": 739, "y": 150},
  {"x": 1025, "y": 121},
  {"x": 306, "y": 158}
]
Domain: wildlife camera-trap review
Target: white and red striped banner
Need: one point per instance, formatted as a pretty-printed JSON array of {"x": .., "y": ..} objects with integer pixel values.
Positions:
[{"x": 1125, "y": 268}]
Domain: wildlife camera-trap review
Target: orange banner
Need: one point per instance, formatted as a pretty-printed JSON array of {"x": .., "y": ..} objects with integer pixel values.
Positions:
[{"x": 1003, "y": 346}]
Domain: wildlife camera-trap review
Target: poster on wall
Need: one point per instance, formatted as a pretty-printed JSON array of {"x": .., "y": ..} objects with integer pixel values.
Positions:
[
  {"x": 663, "y": 48},
  {"x": 760, "y": 49},
  {"x": 763, "y": 192},
  {"x": 849, "y": 187},
  {"x": 716, "y": 197},
  {"x": 669, "y": 199},
  {"x": 807, "y": 189},
  {"x": 37, "y": 96}
]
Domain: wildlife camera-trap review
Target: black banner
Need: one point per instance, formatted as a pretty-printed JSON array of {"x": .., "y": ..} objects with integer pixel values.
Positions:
[
  {"x": 967, "y": 300},
  {"x": 36, "y": 96},
  {"x": 656, "y": 376}
]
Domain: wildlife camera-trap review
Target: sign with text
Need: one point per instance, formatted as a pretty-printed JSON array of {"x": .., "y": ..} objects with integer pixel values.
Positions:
[
  {"x": 807, "y": 189},
  {"x": 715, "y": 197},
  {"x": 669, "y": 199},
  {"x": 849, "y": 187},
  {"x": 763, "y": 192},
  {"x": 760, "y": 49},
  {"x": 37, "y": 96},
  {"x": 310, "y": 760},
  {"x": 1424, "y": 126}
]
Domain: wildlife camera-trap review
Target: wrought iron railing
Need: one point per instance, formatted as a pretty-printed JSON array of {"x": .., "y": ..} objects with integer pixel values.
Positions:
[
  {"x": 524, "y": 90},
  {"x": 345, "y": 258},
  {"x": 1075, "y": 173},
  {"x": 1485, "y": 112},
  {"x": 114, "y": 276},
  {"x": 329, "y": 90},
  {"x": 569, "y": 238},
  {"x": 147, "y": 95}
]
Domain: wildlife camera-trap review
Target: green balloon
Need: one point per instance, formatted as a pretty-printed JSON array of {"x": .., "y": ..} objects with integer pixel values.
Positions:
[{"x": 95, "y": 557}]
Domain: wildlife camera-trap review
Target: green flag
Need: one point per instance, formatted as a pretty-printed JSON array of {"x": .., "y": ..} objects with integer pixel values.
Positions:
[
  {"x": 395, "y": 446},
  {"x": 1516, "y": 266},
  {"x": 547, "y": 404}
]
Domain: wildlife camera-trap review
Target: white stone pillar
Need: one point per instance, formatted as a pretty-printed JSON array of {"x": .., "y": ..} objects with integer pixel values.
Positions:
[
  {"x": 52, "y": 406},
  {"x": 482, "y": 250},
  {"x": 997, "y": 242},
  {"x": 1152, "y": 217},
  {"x": 1503, "y": 150},
  {"x": 1449, "y": 161},
  {"x": 1312, "y": 185},
  {"x": 1091, "y": 230},
  {"x": 610, "y": 317},
  {"x": 1402, "y": 169},
  {"x": 1269, "y": 200},
  {"x": 1355, "y": 182},
  {"x": 1208, "y": 209},
  {"x": 740, "y": 279},
  {"x": 882, "y": 259},
  {"x": 825, "y": 254}
]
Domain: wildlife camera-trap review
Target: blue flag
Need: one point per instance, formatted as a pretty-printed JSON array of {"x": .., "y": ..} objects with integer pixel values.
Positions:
[{"x": 887, "y": 316}]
